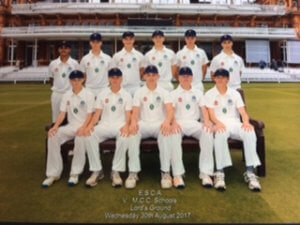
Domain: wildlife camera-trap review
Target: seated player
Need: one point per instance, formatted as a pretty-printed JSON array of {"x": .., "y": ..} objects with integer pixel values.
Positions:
[
  {"x": 225, "y": 106},
  {"x": 151, "y": 117},
  {"x": 111, "y": 120},
  {"x": 77, "y": 104},
  {"x": 188, "y": 103}
]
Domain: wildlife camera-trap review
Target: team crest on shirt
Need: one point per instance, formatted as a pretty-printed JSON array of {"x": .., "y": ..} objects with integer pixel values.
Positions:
[
  {"x": 184, "y": 57},
  {"x": 120, "y": 101},
  {"x": 153, "y": 58},
  {"x": 95, "y": 98},
  {"x": 193, "y": 62},
  {"x": 56, "y": 70},
  {"x": 230, "y": 70},
  {"x": 179, "y": 99},
  {"x": 216, "y": 103},
  {"x": 160, "y": 64},
  {"x": 133, "y": 59},
  {"x": 165, "y": 57},
  {"x": 121, "y": 60},
  {"x": 222, "y": 63},
  {"x": 197, "y": 55},
  {"x": 194, "y": 98},
  {"x": 82, "y": 103},
  {"x": 230, "y": 102},
  {"x": 106, "y": 100},
  {"x": 75, "y": 110},
  {"x": 88, "y": 64},
  {"x": 68, "y": 102},
  {"x": 236, "y": 62},
  {"x": 70, "y": 68},
  {"x": 158, "y": 99},
  {"x": 145, "y": 99},
  {"x": 102, "y": 61}
]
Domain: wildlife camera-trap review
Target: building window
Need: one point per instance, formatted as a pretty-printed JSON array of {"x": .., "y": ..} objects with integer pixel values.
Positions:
[{"x": 11, "y": 52}]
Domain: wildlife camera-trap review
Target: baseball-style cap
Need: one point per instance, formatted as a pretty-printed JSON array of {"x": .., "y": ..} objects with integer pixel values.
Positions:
[
  {"x": 95, "y": 37},
  {"x": 65, "y": 44},
  {"x": 226, "y": 37},
  {"x": 114, "y": 72},
  {"x": 76, "y": 74},
  {"x": 190, "y": 33},
  {"x": 185, "y": 71},
  {"x": 221, "y": 73},
  {"x": 151, "y": 69},
  {"x": 128, "y": 34},
  {"x": 158, "y": 33}
]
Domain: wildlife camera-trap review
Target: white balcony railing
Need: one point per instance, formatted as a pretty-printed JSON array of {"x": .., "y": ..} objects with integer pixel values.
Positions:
[
  {"x": 57, "y": 32},
  {"x": 219, "y": 7}
]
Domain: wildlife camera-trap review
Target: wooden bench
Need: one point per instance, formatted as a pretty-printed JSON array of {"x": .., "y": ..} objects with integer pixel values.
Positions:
[{"x": 188, "y": 144}]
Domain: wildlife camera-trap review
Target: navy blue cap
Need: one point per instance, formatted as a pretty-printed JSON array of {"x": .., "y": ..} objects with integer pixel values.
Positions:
[
  {"x": 64, "y": 44},
  {"x": 95, "y": 37},
  {"x": 128, "y": 34},
  {"x": 158, "y": 33},
  {"x": 151, "y": 69},
  {"x": 114, "y": 72},
  {"x": 185, "y": 71},
  {"x": 226, "y": 37},
  {"x": 190, "y": 33},
  {"x": 76, "y": 74},
  {"x": 221, "y": 73}
]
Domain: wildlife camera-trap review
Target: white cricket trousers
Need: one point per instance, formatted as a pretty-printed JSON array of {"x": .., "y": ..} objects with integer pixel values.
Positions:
[
  {"x": 192, "y": 128},
  {"x": 90, "y": 144},
  {"x": 170, "y": 153},
  {"x": 234, "y": 130},
  {"x": 55, "y": 104},
  {"x": 54, "y": 159}
]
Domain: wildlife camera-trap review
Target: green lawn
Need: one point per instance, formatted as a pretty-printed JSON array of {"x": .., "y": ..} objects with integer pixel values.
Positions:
[{"x": 25, "y": 110}]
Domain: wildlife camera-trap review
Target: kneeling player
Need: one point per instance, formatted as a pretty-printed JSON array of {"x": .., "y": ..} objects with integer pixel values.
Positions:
[
  {"x": 151, "y": 117},
  {"x": 77, "y": 104},
  {"x": 225, "y": 106},
  {"x": 188, "y": 102}
]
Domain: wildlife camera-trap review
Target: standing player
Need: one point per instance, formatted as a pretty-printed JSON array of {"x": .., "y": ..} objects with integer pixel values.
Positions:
[
  {"x": 95, "y": 65},
  {"x": 59, "y": 70},
  {"x": 77, "y": 104},
  {"x": 151, "y": 117},
  {"x": 188, "y": 103},
  {"x": 111, "y": 120},
  {"x": 193, "y": 57},
  {"x": 230, "y": 61},
  {"x": 163, "y": 58},
  {"x": 225, "y": 106},
  {"x": 130, "y": 61}
]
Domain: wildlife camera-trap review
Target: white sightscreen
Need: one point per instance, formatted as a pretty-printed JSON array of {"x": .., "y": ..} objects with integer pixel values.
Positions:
[
  {"x": 257, "y": 50},
  {"x": 293, "y": 51}
]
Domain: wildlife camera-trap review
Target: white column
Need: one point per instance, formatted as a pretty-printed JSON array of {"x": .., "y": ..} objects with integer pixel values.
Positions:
[
  {"x": 35, "y": 53},
  {"x": 179, "y": 47},
  {"x": 12, "y": 52},
  {"x": 116, "y": 45}
]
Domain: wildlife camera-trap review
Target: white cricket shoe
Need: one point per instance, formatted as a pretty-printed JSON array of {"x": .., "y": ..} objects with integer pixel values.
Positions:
[
  {"x": 94, "y": 178},
  {"x": 116, "y": 179},
  {"x": 166, "y": 180},
  {"x": 178, "y": 182},
  {"x": 252, "y": 180},
  {"x": 206, "y": 180},
  {"x": 73, "y": 180},
  {"x": 131, "y": 180},
  {"x": 219, "y": 181},
  {"x": 49, "y": 181}
]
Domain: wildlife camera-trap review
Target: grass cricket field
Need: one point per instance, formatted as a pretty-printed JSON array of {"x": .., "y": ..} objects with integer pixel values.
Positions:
[{"x": 25, "y": 110}]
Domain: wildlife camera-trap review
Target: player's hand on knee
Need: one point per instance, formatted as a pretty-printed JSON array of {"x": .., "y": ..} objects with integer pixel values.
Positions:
[
  {"x": 247, "y": 127},
  {"x": 124, "y": 131},
  {"x": 220, "y": 127},
  {"x": 133, "y": 128},
  {"x": 52, "y": 131},
  {"x": 208, "y": 127},
  {"x": 80, "y": 132},
  {"x": 176, "y": 129},
  {"x": 166, "y": 128}
]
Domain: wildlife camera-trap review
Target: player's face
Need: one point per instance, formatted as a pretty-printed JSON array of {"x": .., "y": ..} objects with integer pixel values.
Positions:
[
  {"x": 77, "y": 83},
  {"x": 115, "y": 81},
  {"x": 64, "y": 51},
  {"x": 221, "y": 81},
  {"x": 190, "y": 40},
  {"x": 158, "y": 40},
  {"x": 128, "y": 42},
  {"x": 227, "y": 45},
  {"x": 151, "y": 78},
  {"x": 185, "y": 80},
  {"x": 96, "y": 45}
]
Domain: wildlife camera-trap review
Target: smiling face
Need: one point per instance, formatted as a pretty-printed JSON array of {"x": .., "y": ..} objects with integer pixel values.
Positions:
[
  {"x": 128, "y": 42},
  {"x": 221, "y": 81},
  {"x": 158, "y": 40},
  {"x": 185, "y": 80},
  {"x": 151, "y": 78},
  {"x": 115, "y": 81},
  {"x": 77, "y": 83},
  {"x": 96, "y": 45}
]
